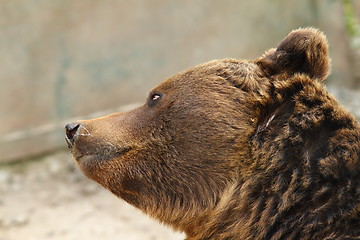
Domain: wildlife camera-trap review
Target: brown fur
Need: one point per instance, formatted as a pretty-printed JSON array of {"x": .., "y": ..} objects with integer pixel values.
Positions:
[{"x": 236, "y": 149}]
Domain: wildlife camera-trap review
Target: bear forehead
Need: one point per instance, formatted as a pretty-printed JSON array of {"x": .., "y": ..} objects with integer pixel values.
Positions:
[{"x": 214, "y": 73}]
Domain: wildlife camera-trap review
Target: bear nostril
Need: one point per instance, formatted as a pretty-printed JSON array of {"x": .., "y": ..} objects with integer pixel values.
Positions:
[{"x": 71, "y": 133}]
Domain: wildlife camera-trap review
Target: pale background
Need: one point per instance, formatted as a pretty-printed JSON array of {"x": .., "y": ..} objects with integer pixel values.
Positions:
[{"x": 63, "y": 59}]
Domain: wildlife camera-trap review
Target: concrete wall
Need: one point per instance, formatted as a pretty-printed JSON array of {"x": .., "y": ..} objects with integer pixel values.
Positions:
[{"x": 62, "y": 60}]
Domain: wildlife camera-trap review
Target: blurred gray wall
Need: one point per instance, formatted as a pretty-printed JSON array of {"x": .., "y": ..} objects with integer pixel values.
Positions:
[{"x": 62, "y": 60}]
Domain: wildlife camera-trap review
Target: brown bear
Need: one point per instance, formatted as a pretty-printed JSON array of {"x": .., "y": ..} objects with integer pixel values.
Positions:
[{"x": 236, "y": 149}]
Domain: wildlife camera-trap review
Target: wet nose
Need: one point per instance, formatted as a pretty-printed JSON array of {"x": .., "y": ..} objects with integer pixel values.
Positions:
[{"x": 71, "y": 130}]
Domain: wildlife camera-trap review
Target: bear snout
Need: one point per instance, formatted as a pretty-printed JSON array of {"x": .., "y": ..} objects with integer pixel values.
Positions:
[{"x": 91, "y": 138}]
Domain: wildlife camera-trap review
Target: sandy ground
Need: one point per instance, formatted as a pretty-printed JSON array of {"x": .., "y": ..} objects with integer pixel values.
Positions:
[{"x": 48, "y": 198}]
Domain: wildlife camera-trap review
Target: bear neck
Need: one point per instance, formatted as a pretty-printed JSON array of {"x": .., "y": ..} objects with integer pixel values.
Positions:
[{"x": 304, "y": 177}]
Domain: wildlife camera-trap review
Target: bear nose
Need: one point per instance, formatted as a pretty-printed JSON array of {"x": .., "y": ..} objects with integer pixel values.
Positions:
[{"x": 71, "y": 130}]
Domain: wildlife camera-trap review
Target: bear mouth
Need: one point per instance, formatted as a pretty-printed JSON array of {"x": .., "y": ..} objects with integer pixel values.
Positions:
[{"x": 101, "y": 154}]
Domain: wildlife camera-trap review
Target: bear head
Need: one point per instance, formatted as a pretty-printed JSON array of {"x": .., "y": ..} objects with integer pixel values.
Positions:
[{"x": 200, "y": 135}]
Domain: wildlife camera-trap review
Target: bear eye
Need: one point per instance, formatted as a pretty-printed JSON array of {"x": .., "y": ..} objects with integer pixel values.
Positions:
[{"x": 154, "y": 98}]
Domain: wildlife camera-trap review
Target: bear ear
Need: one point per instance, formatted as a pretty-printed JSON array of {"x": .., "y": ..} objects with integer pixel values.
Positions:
[{"x": 302, "y": 51}]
